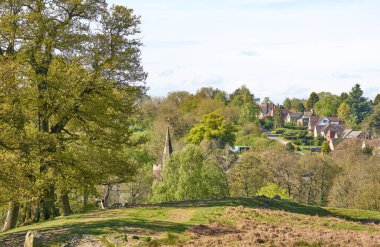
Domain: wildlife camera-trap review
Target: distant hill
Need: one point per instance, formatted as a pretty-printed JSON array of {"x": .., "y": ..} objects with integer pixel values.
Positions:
[{"x": 227, "y": 222}]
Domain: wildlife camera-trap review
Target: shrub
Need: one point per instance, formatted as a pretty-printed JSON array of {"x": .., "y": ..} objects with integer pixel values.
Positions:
[
  {"x": 271, "y": 190},
  {"x": 279, "y": 130},
  {"x": 289, "y": 147},
  {"x": 263, "y": 135}
]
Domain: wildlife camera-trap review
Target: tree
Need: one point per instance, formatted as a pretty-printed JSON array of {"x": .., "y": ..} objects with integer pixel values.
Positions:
[
  {"x": 213, "y": 127},
  {"x": 359, "y": 105},
  {"x": 247, "y": 176},
  {"x": 377, "y": 99},
  {"x": 266, "y": 100},
  {"x": 300, "y": 107},
  {"x": 313, "y": 99},
  {"x": 371, "y": 124},
  {"x": 288, "y": 104},
  {"x": 344, "y": 111},
  {"x": 343, "y": 97},
  {"x": 278, "y": 118},
  {"x": 188, "y": 175},
  {"x": 325, "y": 147},
  {"x": 77, "y": 91},
  {"x": 246, "y": 102},
  {"x": 327, "y": 105}
]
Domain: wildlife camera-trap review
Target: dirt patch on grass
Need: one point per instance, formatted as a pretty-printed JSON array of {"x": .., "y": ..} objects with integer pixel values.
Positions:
[
  {"x": 180, "y": 215},
  {"x": 295, "y": 231}
]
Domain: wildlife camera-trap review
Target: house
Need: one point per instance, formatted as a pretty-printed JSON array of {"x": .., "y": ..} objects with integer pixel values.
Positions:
[
  {"x": 313, "y": 121},
  {"x": 168, "y": 150},
  {"x": 304, "y": 120},
  {"x": 331, "y": 131},
  {"x": 321, "y": 123},
  {"x": 293, "y": 117},
  {"x": 239, "y": 149},
  {"x": 266, "y": 110},
  {"x": 346, "y": 134}
]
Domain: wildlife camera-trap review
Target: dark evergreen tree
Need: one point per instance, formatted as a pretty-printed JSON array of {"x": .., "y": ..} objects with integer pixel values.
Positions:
[
  {"x": 313, "y": 99},
  {"x": 278, "y": 118},
  {"x": 377, "y": 99},
  {"x": 359, "y": 105}
]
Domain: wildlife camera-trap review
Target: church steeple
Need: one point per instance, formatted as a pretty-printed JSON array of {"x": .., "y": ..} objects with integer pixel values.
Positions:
[{"x": 168, "y": 149}]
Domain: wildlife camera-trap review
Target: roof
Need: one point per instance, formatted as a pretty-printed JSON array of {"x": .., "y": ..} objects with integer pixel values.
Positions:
[
  {"x": 333, "y": 119},
  {"x": 318, "y": 128},
  {"x": 332, "y": 127},
  {"x": 285, "y": 112},
  {"x": 313, "y": 121},
  {"x": 266, "y": 108},
  {"x": 295, "y": 116},
  {"x": 354, "y": 134}
]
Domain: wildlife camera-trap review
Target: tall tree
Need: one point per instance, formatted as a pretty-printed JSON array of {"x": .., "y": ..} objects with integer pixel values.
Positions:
[
  {"x": 344, "y": 111},
  {"x": 300, "y": 107},
  {"x": 288, "y": 104},
  {"x": 377, "y": 99},
  {"x": 313, "y": 99},
  {"x": 79, "y": 88},
  {"x": 278, "y": 118},
  {"x": 360, "y": 107},
  {"x": 247, "y": 103}
]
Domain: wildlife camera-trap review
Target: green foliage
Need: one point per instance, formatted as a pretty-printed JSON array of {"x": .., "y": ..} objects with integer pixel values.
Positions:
[
  {"x": 278, "y": 118},
  {"x": 300, "y": 107},
  {"x": 290, "y": 147},
  {"x": 247, "y": 176},
  {"x": 263, "y": 135},
  {"x": 313, "y": 99},
  {"x": 371, "y": 124},
  {"x": 245, "y": 100},
  {"x": 327, "y": 105},
  {"x": 368, "y": 150},
  {"x": 326, "y": 147},
  {"x": 188, "y": 175},
  {"x": 267, "y": 123},
  {"x": 377, "y": 99},
  {"x": 319, "y": 140},
  {"x": 69, "y": 97},
  {"x": 271, "y": 190},
  {"x": 294, "y": 134},
  {"x": 287, "y": 104},
  {"x": 213, "y": 127},
  {"x": 359, "y": 105},
  {"x": 344, "y": 111}
]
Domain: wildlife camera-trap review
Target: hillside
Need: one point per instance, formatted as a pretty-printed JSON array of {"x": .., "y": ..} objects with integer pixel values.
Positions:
[{"x": 226, "y": 222}]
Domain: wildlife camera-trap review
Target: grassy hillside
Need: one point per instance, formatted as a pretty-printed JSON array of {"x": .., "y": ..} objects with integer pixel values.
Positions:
[{"x": 226, "y": 222}]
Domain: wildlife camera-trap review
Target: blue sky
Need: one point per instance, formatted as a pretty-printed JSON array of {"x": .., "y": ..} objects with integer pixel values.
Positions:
[{"x": 278, "y": 48}]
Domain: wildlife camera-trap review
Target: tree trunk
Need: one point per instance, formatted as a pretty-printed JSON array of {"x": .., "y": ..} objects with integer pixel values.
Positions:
[
  {"x": 104, "y": 202},
  {"x": 11, "y": 220},
  {"x": 64, "y": 204},
  {"x": 48, "y": 204}
]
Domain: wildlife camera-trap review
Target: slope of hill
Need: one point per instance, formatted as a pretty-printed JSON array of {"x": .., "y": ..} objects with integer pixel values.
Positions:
[{"x": 225, "y": 222}]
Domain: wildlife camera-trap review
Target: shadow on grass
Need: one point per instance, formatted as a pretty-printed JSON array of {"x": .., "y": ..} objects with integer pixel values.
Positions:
[
  {"x": 66, "y": 232},
  {"x": 262, "y": 202}
]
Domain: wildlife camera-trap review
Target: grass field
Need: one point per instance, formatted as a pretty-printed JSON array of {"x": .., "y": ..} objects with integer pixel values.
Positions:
[{"x": 225, "y": 222}]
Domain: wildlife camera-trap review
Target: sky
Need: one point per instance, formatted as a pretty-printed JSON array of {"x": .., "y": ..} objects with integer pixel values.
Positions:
[{"x": 277, "y": 48}]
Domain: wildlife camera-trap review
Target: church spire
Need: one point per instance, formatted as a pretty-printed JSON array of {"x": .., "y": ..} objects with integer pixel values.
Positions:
[{"x": 168, "y": 149}]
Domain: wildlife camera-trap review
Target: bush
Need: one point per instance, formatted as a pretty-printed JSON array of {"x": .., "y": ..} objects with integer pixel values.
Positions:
[
  {"x": 289, "y": 147},
  {"x": 279, "y": 130},
  {"x": 271, "y": 190},
  {"x": 297, "y": 142},
  {"x": 263, "y": 135}
]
